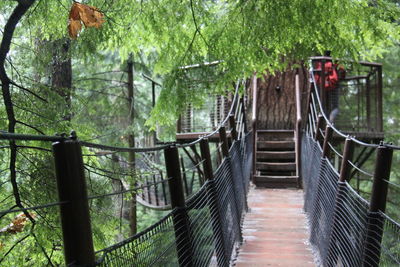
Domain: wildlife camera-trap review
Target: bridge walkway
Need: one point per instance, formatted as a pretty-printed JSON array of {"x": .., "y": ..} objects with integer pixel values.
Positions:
[{"x": 275, "y": 232}]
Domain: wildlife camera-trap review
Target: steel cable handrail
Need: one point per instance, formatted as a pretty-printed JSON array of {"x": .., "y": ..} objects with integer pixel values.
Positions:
[
  {"x": 235, "y": 99},
  {"x": 327, "y": 121}
]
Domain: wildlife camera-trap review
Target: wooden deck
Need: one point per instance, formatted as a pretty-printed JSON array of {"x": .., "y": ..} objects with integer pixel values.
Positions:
[{"x": 275, "y": 231}]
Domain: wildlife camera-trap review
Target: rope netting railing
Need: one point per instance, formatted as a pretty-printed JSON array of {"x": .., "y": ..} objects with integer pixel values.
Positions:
[
  {"x": 346, "y": 183},
  {"x": 194, "y": 211},
  {"x": 207, "y": 226}
]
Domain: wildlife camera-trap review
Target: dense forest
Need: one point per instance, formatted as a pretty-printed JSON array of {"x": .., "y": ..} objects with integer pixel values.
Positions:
[{"x": 91, "y": 66}]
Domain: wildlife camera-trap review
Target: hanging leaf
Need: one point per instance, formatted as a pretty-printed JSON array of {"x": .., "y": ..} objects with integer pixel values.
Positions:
[
  {"x": 90, "y": 16},
  {"x": 17, "y": 224}
]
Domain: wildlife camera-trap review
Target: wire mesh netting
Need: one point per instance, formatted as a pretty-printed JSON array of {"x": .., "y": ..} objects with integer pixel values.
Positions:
[
  {"x": 205, "y": 232},
  {"x": 349, "y": 226},
  {"x": 154, "y": 246},
  {"x": 390, "y": 246}
]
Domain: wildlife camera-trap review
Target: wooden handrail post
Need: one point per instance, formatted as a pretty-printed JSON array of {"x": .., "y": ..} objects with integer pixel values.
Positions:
[
  {"x": 180, "y": 218},
  {"x": 298, "y": 132},
  {"x": 74, "y": 213},
  {"x": 224, "y": 142},
  {"x": 373, "y": 239},
  {"x": 245, "y": 130},
  {"x": 216, "y": 220},
  {"x": 254, "y": 125},
  {"x": 319, "y": 126},
  {"x": 232, "y": 124},
  {"x": 345, "y": 168},
  {"x": 327, "y": 139},
  {"x": 379, "y": 99}
]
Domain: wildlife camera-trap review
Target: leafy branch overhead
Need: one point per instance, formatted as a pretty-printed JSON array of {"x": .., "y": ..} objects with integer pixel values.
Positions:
[{"x": 90, "y": 16}]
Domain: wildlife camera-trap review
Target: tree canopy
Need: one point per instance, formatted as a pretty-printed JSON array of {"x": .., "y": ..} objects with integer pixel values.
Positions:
[{"x": 246, "y": 36}]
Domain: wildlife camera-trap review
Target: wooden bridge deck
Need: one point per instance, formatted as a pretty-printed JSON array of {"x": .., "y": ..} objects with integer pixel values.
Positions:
[{"x": 275, "y": 231}]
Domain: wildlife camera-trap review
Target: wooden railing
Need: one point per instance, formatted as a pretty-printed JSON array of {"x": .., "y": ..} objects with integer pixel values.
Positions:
[
  {"x": 297, "y": 133},
  {"x": 254, "y": 123}
]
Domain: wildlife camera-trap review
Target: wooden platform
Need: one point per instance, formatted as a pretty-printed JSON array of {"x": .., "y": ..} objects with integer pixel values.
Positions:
[{"x": 275, "y": 231}]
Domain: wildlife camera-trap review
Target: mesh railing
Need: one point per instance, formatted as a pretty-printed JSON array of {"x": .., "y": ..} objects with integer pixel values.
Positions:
[
  {"x": 213, "y": 216},
  {"x": 339, "y": 173}
]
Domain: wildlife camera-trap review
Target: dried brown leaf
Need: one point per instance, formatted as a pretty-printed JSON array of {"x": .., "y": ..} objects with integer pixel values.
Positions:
[
  {"x": 90, "y": 16},
  {"x": 74, "y": 27}
]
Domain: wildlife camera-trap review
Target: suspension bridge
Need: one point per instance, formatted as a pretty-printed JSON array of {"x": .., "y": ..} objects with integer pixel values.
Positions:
[{"x": 234, "y": 194}]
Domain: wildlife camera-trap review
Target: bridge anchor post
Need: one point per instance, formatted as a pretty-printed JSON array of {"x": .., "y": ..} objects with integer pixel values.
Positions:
[
  {"x": 181, "y": 220},
  {"x": 74, "y": 213}
]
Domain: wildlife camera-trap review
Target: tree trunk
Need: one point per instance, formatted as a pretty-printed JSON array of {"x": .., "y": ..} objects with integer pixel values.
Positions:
[
  {"x": 131, "y": 143},
  {"x": 276, "y": 94},
  {"x": 61, "y": 73}
]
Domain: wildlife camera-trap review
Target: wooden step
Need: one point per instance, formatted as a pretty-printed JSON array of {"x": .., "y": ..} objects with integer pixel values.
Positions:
[
  {"x": 276, "y": 181},
  {"x": 275, "y": 155},
  {"x": 275, "y": 145},
  {"x": 272, "y": 135},
  {"x": 276, "y": 166}
]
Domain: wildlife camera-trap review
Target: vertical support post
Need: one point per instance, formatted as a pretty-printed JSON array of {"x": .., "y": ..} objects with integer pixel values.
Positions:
[
  {"x": 373, "y": 239},
  {"x": 75, "y": 216},
  {"x": 298, "y": 131},
  {"x": 221, "y": 251},
  {"x": 327, "y": 139},
  {"x": 368, "y": 102},
  {"x": 181, "y": 220},
  {"x": 320, "y": 122},
  {"x": 379, "y": 108},
  {"x": 224, "y": 142},
  {"x": 348, "y": 153},
  {"x": 232, "y": 124},
  {"x": 153, "y": 103},
  {"x": 254, "y": 125},
  {"x": 323, "y": 93},
  {"x": 244, "y": 115}
]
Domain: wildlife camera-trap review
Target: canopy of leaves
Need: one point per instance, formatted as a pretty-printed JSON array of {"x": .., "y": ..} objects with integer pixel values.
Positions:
[{"x": 246, "y": 36}]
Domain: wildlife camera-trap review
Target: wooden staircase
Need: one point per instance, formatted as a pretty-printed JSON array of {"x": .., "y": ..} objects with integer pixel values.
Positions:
[{"x": 275, "y": 159}]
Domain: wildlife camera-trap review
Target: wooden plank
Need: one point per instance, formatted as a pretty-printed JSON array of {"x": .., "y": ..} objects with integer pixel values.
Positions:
[
  {"x": 276, "y": 166},
  {"x": 276, "y": 155}
]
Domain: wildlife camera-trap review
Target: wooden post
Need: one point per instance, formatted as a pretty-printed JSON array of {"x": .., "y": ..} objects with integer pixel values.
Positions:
[
  {"x": 373, "y": 239},
  {"x": 222, "y": 255},
  {"x": 75, "y": 216},
  {"x": 254, "y": 125},
  {"x": 320, "y": 123},
  {"x": 181, "y": 221},
  {"x": 327, "y": 139},
  {"x": 379, "y": 107},
  {"x": 244, "y": 115},
  {"x": 224, "y": 142},
  {"x": 298, "y": 132},
  {"x": 232, "y": 124},
  {"x": 345, "y": 168}
]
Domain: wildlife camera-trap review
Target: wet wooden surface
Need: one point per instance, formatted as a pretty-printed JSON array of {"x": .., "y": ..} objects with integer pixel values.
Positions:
[{"x": 275, "y": 231}]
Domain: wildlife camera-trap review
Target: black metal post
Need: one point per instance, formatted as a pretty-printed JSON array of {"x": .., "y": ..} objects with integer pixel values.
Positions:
[
  {"x": 222, "y": 252},
  {"x": 75, "y": 216},
  {"x": 181, "y": 220},
  {"x": 373, "y": 239}
]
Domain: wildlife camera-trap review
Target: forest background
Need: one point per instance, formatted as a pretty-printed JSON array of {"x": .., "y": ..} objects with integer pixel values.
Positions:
[{"x": 53, "y": 82}]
